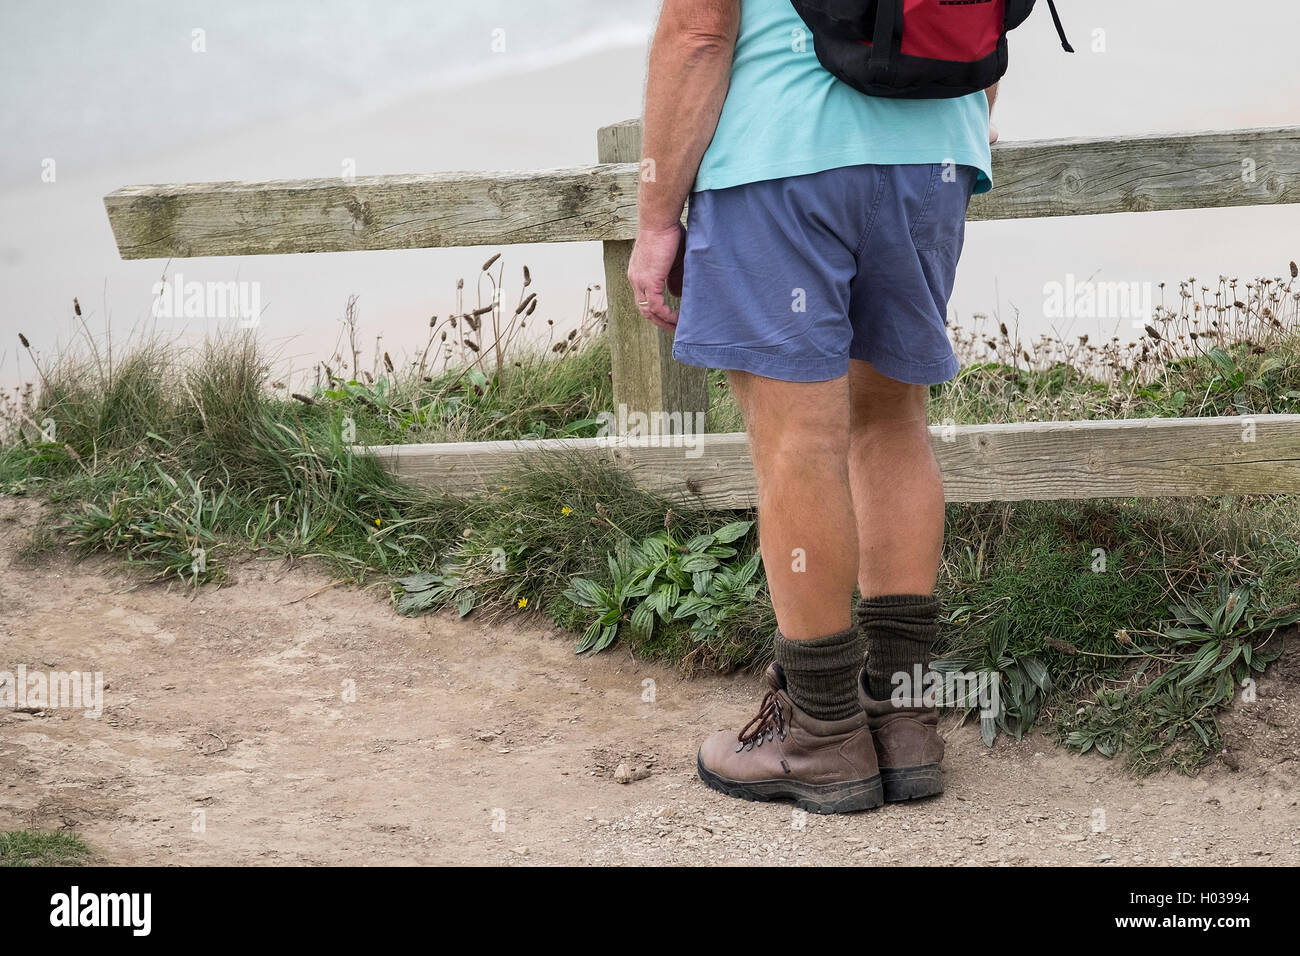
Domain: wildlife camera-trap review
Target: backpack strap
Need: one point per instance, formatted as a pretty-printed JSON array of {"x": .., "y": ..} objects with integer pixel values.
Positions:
[
  {"x": 1060, "y": 30},
  {"x": 882, "y": 37}
]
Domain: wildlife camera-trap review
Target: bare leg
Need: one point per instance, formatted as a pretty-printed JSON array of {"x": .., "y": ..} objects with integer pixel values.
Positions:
[
  {"x": 799, "y": 440},
  {"x": 897, "y": 487}
]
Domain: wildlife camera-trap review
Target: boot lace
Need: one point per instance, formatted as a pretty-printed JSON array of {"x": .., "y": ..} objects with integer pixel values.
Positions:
[{"x": 769, "y": 722}]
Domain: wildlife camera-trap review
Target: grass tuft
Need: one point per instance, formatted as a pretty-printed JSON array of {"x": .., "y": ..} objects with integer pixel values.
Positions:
[{"x": 37, "y": 848}]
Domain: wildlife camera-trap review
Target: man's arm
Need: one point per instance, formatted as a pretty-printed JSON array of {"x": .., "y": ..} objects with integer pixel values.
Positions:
[{"x": 690, "y": 66}]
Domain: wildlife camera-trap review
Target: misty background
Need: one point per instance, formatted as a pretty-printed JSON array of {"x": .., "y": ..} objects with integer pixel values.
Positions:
[{"x": 114, "y": 94}]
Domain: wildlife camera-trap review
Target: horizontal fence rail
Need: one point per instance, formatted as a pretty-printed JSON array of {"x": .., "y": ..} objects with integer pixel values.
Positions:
[
  {"x": 1132, "y": 458},
  {"x": 1068, "y": 177}
]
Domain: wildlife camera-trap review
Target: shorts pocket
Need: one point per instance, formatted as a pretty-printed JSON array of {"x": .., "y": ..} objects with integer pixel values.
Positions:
[{"x": 941, "y": 223}]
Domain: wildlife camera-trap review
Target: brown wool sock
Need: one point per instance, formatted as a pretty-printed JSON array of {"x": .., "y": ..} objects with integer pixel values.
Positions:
[
  {"x": 821, "y": 675},
  {"x": 898, "y": 631}
]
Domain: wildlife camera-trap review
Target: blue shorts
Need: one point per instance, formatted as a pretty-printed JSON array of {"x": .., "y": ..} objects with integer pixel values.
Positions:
[{"x": 790, "y": 278}]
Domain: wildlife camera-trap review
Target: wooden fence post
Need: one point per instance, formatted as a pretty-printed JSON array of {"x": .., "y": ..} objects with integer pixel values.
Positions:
[{"x": 646, "y": 377}]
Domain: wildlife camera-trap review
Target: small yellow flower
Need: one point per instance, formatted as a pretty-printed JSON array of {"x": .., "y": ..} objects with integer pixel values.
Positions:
[
  {"x": 523, "y": 603},
  {"x": 566, "y": 510},
  {"x": 379, "y": 522}
]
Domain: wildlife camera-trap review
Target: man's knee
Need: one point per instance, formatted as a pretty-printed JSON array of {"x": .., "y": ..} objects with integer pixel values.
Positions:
[
  {"x": 876, "y": 401},
  {"x": 816, "y": 445}
]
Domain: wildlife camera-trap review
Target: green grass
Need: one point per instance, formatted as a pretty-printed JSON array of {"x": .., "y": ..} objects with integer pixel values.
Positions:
[
  {"x": 37, "y": 848},
  {"x": 176, "y": 460}
]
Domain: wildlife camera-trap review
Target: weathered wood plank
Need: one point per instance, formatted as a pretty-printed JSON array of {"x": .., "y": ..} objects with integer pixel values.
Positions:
[
  {"x": 646, "y": 377},
  {"x": 1139, "y": 458},
  {"x": 1066, "y": 177},
  {"x": 372, "y": 212},
  {"x": 465, "y": 468},
  {"x": 1082, "y": 177}
]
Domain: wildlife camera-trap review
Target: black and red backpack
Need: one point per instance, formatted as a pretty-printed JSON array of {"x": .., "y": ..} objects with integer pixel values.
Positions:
[{"x": 917, "y": 49}]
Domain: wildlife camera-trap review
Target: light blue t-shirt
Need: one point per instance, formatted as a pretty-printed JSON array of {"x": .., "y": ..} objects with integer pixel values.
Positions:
[{"x": 786, "y": 115}]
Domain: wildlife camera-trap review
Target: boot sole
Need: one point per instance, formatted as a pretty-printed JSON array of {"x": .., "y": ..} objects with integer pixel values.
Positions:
[
  {"x": 912, "y": 783},
  {"x": 846, "y": 797}
]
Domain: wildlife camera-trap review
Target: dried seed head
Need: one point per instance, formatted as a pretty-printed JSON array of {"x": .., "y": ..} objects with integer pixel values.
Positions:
[
  {"x": 491, "y": 262},
  {"x": 528, "y": 277},
  {"x": 22, "y": 338},
  {"x": 76, "y": 306}
]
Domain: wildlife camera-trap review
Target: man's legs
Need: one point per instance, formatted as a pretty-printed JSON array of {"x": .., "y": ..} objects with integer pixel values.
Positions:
[{"x": 848, "y": 490}]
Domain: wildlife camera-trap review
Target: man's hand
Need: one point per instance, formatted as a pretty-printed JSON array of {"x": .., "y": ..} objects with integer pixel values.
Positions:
[
  {"x": 656, "y": 265},
  {"x": 992, "y": 94}
]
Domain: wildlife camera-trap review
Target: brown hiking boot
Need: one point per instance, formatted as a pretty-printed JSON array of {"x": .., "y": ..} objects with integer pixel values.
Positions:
[
  {"x": 825, "y": 766},
  {"x": 908, "y": 745}
]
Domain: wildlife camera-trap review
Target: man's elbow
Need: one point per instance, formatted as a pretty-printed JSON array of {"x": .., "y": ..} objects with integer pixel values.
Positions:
[
  {"x": 703, "y": 27},
  {"x": 706, "y": 45}
]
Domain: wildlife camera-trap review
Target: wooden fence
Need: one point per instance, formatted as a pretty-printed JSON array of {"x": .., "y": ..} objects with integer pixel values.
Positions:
[{"x": 1074, "y": 177}]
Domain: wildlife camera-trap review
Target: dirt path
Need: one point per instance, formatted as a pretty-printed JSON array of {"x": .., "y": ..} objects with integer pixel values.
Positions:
[{"x": 231, "y": 703}]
